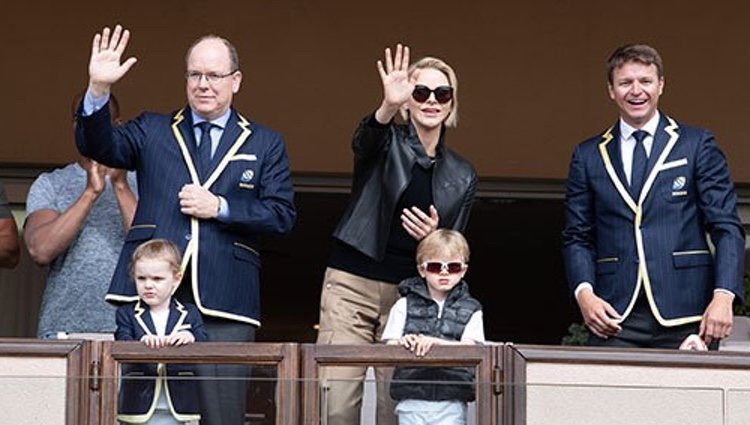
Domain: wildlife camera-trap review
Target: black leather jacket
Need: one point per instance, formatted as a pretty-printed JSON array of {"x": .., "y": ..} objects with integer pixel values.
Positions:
[{"x": 383, "y": 159}]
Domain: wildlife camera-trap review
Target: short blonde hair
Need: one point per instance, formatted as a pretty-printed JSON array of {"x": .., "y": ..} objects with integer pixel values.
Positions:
[
  {"x": 159, "y": 249},
  {"x": 440, "y": 65},
  {"x": 443, "y": 242}
]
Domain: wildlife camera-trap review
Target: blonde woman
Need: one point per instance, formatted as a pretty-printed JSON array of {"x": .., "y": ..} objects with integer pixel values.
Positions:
[{"x": 406, "y": 184}]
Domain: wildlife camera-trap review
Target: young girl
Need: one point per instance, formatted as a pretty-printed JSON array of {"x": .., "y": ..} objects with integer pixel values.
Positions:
[{"x": 158, "y": 321}]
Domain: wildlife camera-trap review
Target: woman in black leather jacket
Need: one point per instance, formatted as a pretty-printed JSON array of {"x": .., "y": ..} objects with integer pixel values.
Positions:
[{"x": 406, "y": 184}]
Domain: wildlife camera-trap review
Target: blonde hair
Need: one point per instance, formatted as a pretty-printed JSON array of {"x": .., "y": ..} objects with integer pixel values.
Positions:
[
  {"x": 157, "y": 249},
  {"x": 429, "y": 62},
  {"x": 443, "y": 242}
]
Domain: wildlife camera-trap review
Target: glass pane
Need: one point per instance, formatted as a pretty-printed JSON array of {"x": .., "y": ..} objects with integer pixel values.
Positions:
[
  {"x": 221, "y": 393},
  {"x": 370, "y": 396}
]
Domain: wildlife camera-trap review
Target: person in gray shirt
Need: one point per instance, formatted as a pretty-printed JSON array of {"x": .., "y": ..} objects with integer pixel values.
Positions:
[
  {"x": 77, "y": 218},
  {"x": 9, "y": 250}
]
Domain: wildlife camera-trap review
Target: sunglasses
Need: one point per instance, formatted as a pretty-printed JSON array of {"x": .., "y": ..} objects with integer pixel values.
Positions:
[
  {"x": 437, "y": 267},
  {"x": 443, "y": 94}
]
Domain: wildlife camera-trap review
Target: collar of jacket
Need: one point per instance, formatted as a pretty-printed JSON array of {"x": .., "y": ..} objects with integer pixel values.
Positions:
[
  {"x": 175, "y": 317},
  {"x": 418, "y": 286},
  {"x": 422, "y": 158}
]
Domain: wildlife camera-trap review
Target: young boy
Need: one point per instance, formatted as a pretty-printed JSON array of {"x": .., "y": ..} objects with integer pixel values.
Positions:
[
  {"x": 157, "y": 320},
  {"x": 435, "y": 309}
]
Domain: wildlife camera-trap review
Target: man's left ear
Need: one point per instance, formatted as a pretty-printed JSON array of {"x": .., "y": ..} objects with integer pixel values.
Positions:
[
  {"x": 236, "y": 81},
  {"x": 661, "y": 85}
]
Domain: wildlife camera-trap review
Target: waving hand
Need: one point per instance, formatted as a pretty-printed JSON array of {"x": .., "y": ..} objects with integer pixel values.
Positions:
[
  {"x": 105, "y": 68},
  {"x": 397, "y": 86}
]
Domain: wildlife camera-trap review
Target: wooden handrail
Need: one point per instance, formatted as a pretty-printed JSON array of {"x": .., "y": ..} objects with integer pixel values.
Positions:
[
  {"x": 97, "y": 364},
  {"x": 282, "y": 355},
  {"x": 315, "y": 356}
]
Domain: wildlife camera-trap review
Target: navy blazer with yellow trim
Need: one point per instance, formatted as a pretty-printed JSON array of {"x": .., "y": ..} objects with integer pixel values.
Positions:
[
  {"x": 249, "y": 169},
  {"x": 142, "y": 383},
  {"x": 658, "y": 241}
]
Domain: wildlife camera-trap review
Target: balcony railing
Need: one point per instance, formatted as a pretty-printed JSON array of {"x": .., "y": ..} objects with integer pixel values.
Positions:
[{"x": 76, "y": 382}]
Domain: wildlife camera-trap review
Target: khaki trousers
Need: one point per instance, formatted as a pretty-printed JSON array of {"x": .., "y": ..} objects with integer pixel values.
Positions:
[{"x": 354, "y": 310}]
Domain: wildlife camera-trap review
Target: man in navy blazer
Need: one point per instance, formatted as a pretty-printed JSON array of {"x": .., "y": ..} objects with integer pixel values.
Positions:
[
  {"x": 641, "y": 199},
  {"x": 210, "y": 180}
]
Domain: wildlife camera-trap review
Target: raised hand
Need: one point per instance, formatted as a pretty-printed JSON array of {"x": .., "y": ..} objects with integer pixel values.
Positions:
[
  {"x": 397, "y": 86},
  {"x": 117, "y": 176},
  {"x": 94, "y": 176},
  {"x": 105, "y": 68}
]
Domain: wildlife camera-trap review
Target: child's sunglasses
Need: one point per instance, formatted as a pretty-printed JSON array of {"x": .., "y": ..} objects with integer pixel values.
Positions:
[{"x": 437, "y": 267}]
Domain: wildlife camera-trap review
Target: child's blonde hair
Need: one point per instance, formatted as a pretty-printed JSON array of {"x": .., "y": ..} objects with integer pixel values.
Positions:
[
  {"x": 159, "y": 249},
  {"x": 443, "y": 242}
]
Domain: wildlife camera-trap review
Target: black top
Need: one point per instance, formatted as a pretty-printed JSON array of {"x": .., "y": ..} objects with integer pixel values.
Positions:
[
  {"x": 384, "y": 158},
  {"x": 399, "y": 262}
]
